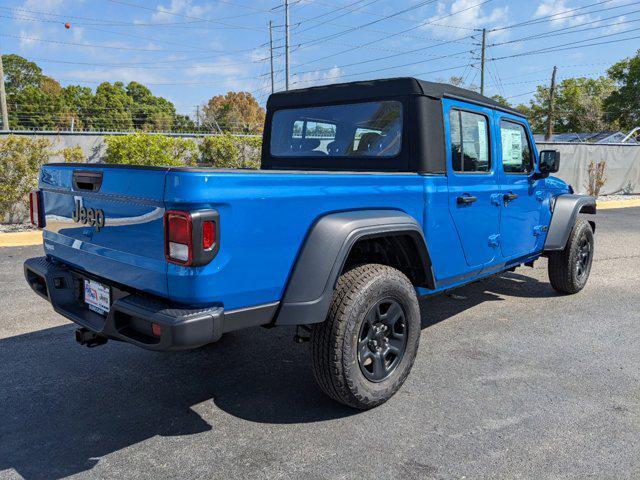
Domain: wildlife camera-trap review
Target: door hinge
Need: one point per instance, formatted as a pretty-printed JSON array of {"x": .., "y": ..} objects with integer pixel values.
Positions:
[
  {"x": 496, "y": 199},
  {"x": 494, "y": 240},
  {"x": 539, "y": 230}
]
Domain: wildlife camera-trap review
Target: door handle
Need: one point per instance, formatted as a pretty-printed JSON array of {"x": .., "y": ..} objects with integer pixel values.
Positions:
[
  {"x": 466, "y": 199},
  {"x": 508, "y": 197}
]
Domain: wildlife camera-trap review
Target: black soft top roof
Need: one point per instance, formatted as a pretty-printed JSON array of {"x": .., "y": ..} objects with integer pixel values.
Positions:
[{"x": 372, "y": 89}]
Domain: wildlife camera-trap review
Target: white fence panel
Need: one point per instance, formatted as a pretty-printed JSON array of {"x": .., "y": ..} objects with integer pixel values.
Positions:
[{"x": 622, "y": 173}]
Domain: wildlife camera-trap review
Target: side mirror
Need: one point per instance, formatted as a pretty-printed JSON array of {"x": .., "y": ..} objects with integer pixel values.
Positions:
[{"x": 549, "y": 161}]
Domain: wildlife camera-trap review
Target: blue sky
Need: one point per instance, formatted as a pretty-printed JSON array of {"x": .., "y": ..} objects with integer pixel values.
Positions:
[{"x": 190, "y": 50}]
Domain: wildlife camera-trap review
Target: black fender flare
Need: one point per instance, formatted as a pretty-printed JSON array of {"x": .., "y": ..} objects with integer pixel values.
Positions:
[
  {"x": 310, "y": 287},
  {"x": 565, "y": 211}
]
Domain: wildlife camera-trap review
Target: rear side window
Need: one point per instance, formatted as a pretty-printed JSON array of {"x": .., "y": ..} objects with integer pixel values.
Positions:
[
  {"x": 516, "y": 151},
  {"x": 371, "y": 129},
  {"x": 469, "y": 142}
]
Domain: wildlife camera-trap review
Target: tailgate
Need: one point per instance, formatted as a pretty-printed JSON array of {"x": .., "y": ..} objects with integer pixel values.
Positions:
[{"x": 107, "y": 221}]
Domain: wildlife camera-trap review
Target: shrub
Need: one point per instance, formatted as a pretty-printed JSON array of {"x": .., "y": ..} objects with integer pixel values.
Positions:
[
  {"x": 20, "y": 160},
  {"x": 227, "y": 151},
  {"x": 219, "y": 151},
  {"x": 147, "y": 149},
  {"x": 596, "y": 178},
  {"x": 73, "y": 154}
]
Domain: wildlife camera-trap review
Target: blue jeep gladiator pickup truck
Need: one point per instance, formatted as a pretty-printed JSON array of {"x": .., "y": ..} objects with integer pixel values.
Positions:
[{"x": 370, "y": 195}]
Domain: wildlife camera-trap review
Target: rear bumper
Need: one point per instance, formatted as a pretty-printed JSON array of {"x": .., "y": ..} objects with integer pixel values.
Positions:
[{"x": 132, "y": 315}]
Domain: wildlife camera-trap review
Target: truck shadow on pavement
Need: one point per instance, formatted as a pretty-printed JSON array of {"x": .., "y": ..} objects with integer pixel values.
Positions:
[{"x": 64, "y": 407}]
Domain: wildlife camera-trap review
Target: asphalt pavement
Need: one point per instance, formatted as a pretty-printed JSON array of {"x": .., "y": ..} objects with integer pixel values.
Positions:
[{"x": 511, "y": 381}]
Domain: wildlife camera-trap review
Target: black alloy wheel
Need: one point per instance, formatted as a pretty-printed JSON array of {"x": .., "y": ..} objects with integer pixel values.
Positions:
[
  {"x": 382, "y": 340},
  {"x": 583, "y": 261}
]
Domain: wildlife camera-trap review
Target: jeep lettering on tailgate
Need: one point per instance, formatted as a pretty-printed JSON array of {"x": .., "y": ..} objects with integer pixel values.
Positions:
[{"x": 88, "y": 216}]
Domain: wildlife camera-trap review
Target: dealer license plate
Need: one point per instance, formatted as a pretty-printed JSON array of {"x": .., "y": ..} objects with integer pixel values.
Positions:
[{"x": 97, "y": 296}]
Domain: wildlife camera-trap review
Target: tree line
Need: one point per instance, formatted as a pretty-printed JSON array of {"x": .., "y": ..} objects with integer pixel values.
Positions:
[
  {"x": 608, "y": 103},
  {"x": 38, "y": 102}
]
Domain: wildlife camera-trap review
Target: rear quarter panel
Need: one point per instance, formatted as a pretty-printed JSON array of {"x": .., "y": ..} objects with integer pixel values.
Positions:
[{"x": 264, "y": 219}]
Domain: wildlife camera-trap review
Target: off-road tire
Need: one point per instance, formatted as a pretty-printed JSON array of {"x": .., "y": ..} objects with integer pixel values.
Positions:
[
  {"x": 334, "y": 342},
  {"x": 564, "y": 274}
]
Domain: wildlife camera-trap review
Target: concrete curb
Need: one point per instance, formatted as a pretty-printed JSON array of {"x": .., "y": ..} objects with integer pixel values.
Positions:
[
  {"x": 618, "y": 204},
  {"x": 20, "y": 239},
  {"x": 24, "y": 239}
]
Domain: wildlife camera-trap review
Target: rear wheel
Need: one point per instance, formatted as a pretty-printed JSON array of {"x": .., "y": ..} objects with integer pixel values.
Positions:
[
  {"x": 569, "y": 268},
  {"x": 366, "y": 347}
]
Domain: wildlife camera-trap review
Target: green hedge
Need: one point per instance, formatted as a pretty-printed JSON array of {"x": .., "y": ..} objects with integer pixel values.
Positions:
[
  {"x": 227, "y": 151},
  {"x": 22, "y": 156},
  {"x": 20, "y": 160},
  {"x": 220, "y": 151},
  {"x": 147, "y": 149}
]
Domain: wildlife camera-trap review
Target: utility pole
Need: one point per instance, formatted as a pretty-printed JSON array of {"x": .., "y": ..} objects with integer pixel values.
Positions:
[
  {"x": 286, "y": 43},
  {"x": 484, "y": 48},
  {"x": 552, "y": 97},
  {"x": 271, "y": 52},
  {"x": 3, "y": 99}
]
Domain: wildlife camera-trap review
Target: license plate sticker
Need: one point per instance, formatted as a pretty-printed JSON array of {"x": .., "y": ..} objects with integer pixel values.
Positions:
[{"x": 97, "y": 296}]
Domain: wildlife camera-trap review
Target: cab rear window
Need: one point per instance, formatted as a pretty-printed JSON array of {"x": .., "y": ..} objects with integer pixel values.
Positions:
[{"x": 371, "y": 129}]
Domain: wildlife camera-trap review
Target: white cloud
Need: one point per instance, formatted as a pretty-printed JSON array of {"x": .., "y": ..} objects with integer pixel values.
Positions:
[
  {"x": 557, "y": 8},
  {"x": 29, "y": 38},
  {"x": 181, "y": 7},
  {"x": 318, "y": 77},
  {"x": 456, "y": 18},
  {"x": 48, "y": 5},
  {"x": 125, "y": 75},
  {"x": 78, "y": 33},
  {"x": 617, "y": 26},
  {"x": 221, "y": 67},
  {"x": 35, "y": 31}
]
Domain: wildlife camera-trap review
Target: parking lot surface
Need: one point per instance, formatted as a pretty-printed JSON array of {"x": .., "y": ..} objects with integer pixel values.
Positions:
[{"x": 511, "y": 381}]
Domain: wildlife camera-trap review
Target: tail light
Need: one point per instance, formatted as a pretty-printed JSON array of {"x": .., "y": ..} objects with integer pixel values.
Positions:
[
  {"x": 179, "y": 248},
  {"x": 36, "y": 211},
  {"x": 191, "y": 238}
]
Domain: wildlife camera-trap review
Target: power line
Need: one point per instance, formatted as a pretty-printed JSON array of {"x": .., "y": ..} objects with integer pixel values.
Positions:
[
  {"x": 367, "y": 29},
  {"x": 90, "y": 45},
  {"x": 423, "y": 24},
  {"x": 438, "y": 57},
  {"x": 567, "y": 46},
  {"x": 373, "y": 22},
  {"x": 227, "y": 25},
  {"x": 428, "y": 22},
  {"x": 559, "y": 66},
  {"x": 550, "y": 17},
  {"x": 401, "y": 18},
  {"x": 151, "y": 39},
  {"x": 164, "y": 11},
  {"x": 567, "y": 31},
  {"x": 111, "y": 22},
  {"x": 141, "y": 66},
  {"x": 379, "y": 70}
]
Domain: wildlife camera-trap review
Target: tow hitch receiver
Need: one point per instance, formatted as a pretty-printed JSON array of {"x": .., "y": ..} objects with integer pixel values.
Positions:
[{"x": 91, "y": 339}]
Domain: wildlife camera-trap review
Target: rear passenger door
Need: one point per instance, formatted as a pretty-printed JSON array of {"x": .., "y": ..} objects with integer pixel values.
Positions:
[
  {"x": 473, "y": 182},
  {"x": 522, "y": 202}
]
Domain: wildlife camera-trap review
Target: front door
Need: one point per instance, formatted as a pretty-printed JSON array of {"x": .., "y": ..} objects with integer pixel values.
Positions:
[
  {"x": 519, "y": 226},
  {"x": 474, "y": 189}
]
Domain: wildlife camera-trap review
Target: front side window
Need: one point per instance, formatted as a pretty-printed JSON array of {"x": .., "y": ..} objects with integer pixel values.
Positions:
[
  {"x": 469, "y": 142},
  {"x": 371, "y": 129},
  {"x": 516, "y": 152}
]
